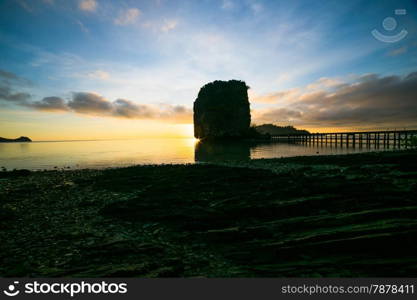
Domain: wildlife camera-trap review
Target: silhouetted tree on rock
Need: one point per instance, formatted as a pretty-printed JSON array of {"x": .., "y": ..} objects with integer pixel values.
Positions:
[{"x": 222, "y": 110}]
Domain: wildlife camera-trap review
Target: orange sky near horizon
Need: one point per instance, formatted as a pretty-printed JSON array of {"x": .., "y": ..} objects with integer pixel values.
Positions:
[{"x": 57, "y": 127}]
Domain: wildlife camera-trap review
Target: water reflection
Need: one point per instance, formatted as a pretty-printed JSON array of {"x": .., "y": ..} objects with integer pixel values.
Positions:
[
  {"x": 216, "y": 151},
  {"x": 24, "y": 147},
  {"x": 116, "y": 153},
  {"x": 95, "y": 154},
  {"x": 209, "y": 151}
]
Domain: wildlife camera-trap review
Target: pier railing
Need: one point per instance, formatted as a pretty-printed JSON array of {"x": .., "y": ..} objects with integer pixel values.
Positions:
[{"x": 387, "y": 139}]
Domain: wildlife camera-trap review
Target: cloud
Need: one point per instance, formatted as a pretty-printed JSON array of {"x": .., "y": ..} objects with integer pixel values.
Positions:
[
  {"x": 127, "y": 17},
  {"x": 8, "y": 95},
  {"x": 176, "y": 113},
  {"x": 25, "y": 6},
  {"x": 7, "y": 75},
  {"x": 324, "y": 82},
  {"x": 256, "y": 7},
  {"x": 169, "y": 25},
  {"x": 227, "y": 4},
  {"x": 158, "y": 26},
  {"x": 93, "y": 104},
  {"x": 87, "y": 5},
  {"x": 97, "y": 105},
  {"x": 128, "y": 109},
  {"x": 371, "y": 99},
  {"x": 279, "y": 115},
  {"x": 398, "y": 51},
  {"x": 12, "y": 78},
  {"x": 99, "y": 74},
  {"x": 276, "y": 97},
  {"x": 90, "y": 103},
  {"x": 82, "y": 26},
  {"x": 9, "y": 82},
  {"x": 64, "y": 60},
  {"x": 52, "y": 104},
  {"x": 230, "y": 5}
]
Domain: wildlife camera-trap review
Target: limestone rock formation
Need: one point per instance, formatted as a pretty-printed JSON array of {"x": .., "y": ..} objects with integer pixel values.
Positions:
[{"x": 222, "y": 110}]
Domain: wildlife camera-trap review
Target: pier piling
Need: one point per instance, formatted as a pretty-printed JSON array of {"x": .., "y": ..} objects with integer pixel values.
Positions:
[{"x": 386, "y": 139}]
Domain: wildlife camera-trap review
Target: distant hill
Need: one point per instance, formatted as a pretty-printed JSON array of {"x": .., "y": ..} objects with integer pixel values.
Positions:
[
  {"x": 273, "y": 129},
  {"x": 18, "y": 140}
]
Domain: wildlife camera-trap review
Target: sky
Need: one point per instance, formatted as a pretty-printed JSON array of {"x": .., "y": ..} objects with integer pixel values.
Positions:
[{"x": 97, "y": 69}]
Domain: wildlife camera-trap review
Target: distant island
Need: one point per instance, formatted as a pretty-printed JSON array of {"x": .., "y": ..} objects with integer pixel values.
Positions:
[
  {"x": 274, "y": 129},
  {"x": 22, "y": 139}
]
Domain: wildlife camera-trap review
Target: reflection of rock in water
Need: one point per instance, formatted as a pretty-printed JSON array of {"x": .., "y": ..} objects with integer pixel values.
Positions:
[{"x": 212, "y": 151}]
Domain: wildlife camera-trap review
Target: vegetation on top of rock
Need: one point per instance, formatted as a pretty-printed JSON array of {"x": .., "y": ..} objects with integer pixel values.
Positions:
[{"x": 274, "y": 129}]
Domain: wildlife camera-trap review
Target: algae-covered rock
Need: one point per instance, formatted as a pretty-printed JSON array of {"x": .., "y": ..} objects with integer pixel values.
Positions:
[{"x": 222, "y": 110}]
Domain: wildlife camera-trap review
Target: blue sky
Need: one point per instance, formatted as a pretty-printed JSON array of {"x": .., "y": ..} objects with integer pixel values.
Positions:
[{"x": 157, "y": 54}]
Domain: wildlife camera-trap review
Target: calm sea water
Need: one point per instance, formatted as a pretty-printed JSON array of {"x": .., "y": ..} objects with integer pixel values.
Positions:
[{"x": 115, "y": 153}]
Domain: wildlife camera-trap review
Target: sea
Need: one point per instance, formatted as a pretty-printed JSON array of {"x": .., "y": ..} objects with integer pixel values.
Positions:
[{"x": 118, "y": 153}]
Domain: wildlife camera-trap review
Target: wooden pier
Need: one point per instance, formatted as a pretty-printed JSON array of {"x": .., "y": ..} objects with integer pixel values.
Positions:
[{"x": 376, "y": 139}]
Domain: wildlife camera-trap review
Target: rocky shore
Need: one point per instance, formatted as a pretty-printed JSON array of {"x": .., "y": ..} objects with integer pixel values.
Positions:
[{"x": 350, "y": 215}]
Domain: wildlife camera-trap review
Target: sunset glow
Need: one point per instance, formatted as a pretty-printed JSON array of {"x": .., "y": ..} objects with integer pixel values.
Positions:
[{"x": 128, "y": 69}]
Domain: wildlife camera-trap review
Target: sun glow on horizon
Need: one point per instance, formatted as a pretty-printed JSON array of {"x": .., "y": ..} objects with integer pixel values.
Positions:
[
  {"x": 187, "y": 130},
  {"x": 60, "y": 127}
]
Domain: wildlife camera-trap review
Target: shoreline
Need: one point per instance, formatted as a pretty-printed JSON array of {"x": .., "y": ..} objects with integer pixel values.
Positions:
[{"x": 350, "y": 215}]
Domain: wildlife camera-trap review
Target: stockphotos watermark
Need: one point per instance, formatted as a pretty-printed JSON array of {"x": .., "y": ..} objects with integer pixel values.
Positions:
[
  {"x": 390, "y": 25},
  {"x": 64, "y": 288}
]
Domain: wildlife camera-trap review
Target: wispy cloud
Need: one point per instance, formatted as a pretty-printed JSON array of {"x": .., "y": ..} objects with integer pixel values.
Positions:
[
  {"x": 82, "y": 26},
  {"x": 99, "y": 74},
  {"x": 227, "y": 4},
  {"x": 9, "y": 83},
  {"x": 87, "y": 5},
  {"x": 398, "y": 51},
  {"x": 256, "y": 7},
  {"x": 275, "y": 97},
  {"x": 9, "y": 77},
  {"x": 324, "y": 83},
  {"x": 127, "y": 17},
  {"x": 25, "y": 5},
  {"x": 63, "y": 59},
  {"x": 169, "y": 25}
]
